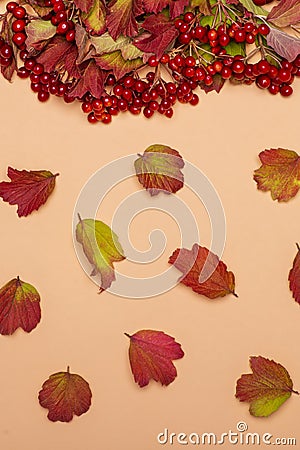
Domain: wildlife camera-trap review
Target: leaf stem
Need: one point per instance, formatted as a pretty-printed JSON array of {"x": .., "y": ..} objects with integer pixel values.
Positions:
[
  {"x": 128, "y": 335},
  {"x": 298, "y": 246}
]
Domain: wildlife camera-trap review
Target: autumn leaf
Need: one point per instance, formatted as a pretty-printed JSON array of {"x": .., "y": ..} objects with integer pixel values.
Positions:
[
  {"x": 266, "y": 389},
  {"x": 284, "y": 44},
  {"x": 217, "y": 84},
  {"x": 151, "y": 353},
  {"x": 38, "y": 33},
  {"x": 203, "y": 271},
  {"x": 94, "y": 18},
  {"x": 53, "y": 56},
  {"x": 27, "y": 189},
  {"x": 65, "y": 394},
  {"x": 155, "y": 6},
  {"x": 161, "y": 33},
  {"x": 285, "y": 13},
  {"x": 106, "y": 44},
  {"x": 177, "y": 7},
  {"x": 114, "y": 61},
  {"x": 279, "y": 173},
  {"x": 101, "y": 247},
  {"x": 159, "y": 169},
  {"x": 7, "y": 35},
  {"x": 121, "y": 17},
  {"x": 203, "y": 5},
  {"x": 19, "y": 307},
  {"x": 294, "y": 277},
  {"x": 92, "y": 80},
  {"x": 84, "y": 5},
  {"x": 39, "y": 7}
]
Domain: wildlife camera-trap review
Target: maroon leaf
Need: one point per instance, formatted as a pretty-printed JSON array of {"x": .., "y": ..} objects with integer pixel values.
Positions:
[
  {"x": 54, "y": 55},
  {"x": 218, "y": 83},
  {"x": 83, "y": 42},
  {"x": 70, "y": 62},
  {"x": 38, "y": 33},
  {"x": 6, "y": 33},
  {"x": 286, "y": 13},
  {"x": 162, "y": 34},
  {"x": 177, "y": 7},
  {"x": 155, "y": 6},
  {"x": 27, "y": 189},
  {"x": 92, "y": 80},
  {"x": 84, "y": 5},
  {"x": 39, "y": 7},
  {"x": 121, "y": 18},
  {"x": 285, "y": 45}
]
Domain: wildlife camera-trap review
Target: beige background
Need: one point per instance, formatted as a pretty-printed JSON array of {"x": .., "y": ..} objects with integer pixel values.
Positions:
[{"x": 222, "y": 136}]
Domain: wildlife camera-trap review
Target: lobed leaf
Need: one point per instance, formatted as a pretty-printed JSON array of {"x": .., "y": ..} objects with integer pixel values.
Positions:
[
  {"x": 284, "y": 44},
  {"x": 159, "y": 169},
  {"x": 151, "y": 353},
  {"x": 203, "y": 271},
  {"x": 27, "y": 189},
  {"x": 279, "y": 173},
  {"x": 294, "y": 277},
  {"x": 65, "y": 394},
  {"x": 266, "y": 389},
  {"x": 285, "y": 13},
  {"x": 19, "y": 307}
]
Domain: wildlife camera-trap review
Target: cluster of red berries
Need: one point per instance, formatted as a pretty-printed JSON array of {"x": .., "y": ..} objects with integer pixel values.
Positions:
[
  {"x": 59, "y": 17},
  {"x": 136, "y": 95},
  {"x": 18, "y": 25},
  {"x": 43, "y": 83},
  {"x": 191, "y": 30},
  {"x": 6, "y": 53}
]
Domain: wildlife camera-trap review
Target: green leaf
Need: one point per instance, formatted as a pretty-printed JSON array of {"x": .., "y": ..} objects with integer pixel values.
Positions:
[
  {"x": 235, "y": 48},
  {"x": 254, "y": 9},
  {"x": 106, "y": 44},
  {"x": 206, "y": 20},
  {"x": 101, "y": 247}
]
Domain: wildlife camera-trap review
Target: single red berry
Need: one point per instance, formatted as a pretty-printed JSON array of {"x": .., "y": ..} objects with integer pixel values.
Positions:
[
  {"x": 152, "y": 61},
  {"x": 23, "y": 72},
  {"x": 185, "y": 38},
  {"x": 263, "y": 81},
  {"x": 19, "y": 39},
  {"x": 286, "y": 90},
  {"x": 212, "y": 34},
  {"x": 43, "y": 96},
  {"x": 284, "y": 75},
  {"x": 11, "y": 6},
  {"x": 106, "y": 118},
  {"x": 250, "y": 38},
  {"x": 273, "y": 89},
  {"x": 263, "y": 29},
  {"x": 224, "y": 39},
  {"x": 148, "y": 112},
  {"x": 92, "y": 118},
  {"x": 18, "y": 25},
  {"x": 38, "y": 69},
  {"x": 194, "y": 100},
  {"x": 263, "y": 66},
  {"x": 165, "y": 59},
  {"x": 19, "y": 12},
  {"x": 6, "y": 51},
  {"x": 188, "y": 17},
  {"x": 62, "y": 27}
]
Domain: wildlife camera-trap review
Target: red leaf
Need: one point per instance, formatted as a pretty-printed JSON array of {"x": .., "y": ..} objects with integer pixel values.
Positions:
[
  {"x": 7, "y": 34},
  {"x": 203, "y": 272},
  {"x": 19, "y": 307},
  {"x": 266, "y": 389},
  {"x": 162, "y": 34},
  {"x": 121, "y": 17},
  {"x": 53, "y": 57},
  {"x": 218, "y": 83},
  {"x": 65, "y": 394},
  {"x": 177, "y": 7},
  {"x": 286, "y": 13},
  {"x": 92, "y": 80},
  {"x": 158, "y": 169},
  {"x": 284, "y": 44},
  {"x": 84, "y": 5},
  {"x": 27, "y": 189},
  {"x": 151, "y": 354},
  {"x": 70, "y": 62},
  {"x": 155, "y": 6},
  {"x": 294, "y": 277}
]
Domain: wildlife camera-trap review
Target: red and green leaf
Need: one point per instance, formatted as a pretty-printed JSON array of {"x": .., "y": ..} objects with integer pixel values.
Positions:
[
  {"x": 19, "y": 307},
  {"x": 65, "y": 394},
  {"x": 114, "y": 61},
  {"x": 203, "y": 272},
  {"x": 266, "y": 389},
  {"x": 279, "y": 173},
  {"x": 159, "y": 169},
  {"x": 95, "y": 18},
  {"x": 38, "y": 34},
  {"x": 285, "y": 13},
  {"x": 101, "y": 247},
  {"x": 294, "y": 277},
  {"x": 151, "y": 354},
  {"x": 84, "y": 5},
  {"x": 27, "y": 189}
]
